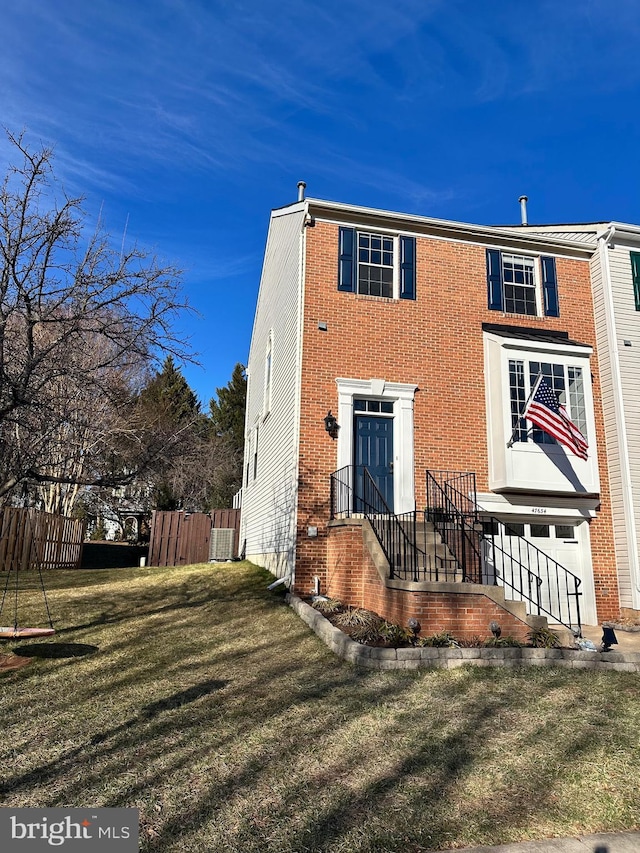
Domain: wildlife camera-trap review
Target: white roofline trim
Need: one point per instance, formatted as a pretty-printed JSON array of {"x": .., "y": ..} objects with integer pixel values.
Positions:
[{"x": 463, "y": 229}]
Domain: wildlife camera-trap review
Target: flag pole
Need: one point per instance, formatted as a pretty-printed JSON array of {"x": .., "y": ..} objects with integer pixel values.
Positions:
[{"x": 521, "y": 414}]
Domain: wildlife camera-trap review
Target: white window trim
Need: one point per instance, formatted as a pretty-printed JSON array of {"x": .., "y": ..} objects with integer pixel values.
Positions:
[
  {"x": 268, "y": 376},
  {"x": 569, "y": 356},
  {"x": 402, "y": 395},
  {"x": 507, "y": 466},
  {"x": 537, "y": 282},
  {"x": 395, "y": 287}
]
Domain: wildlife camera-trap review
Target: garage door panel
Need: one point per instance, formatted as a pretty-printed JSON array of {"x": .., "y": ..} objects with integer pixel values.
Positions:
[{"x": 552, "y": 544}]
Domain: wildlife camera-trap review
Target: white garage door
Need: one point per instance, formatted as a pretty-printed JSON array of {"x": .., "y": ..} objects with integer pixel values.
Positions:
[{"x": 545, "y": 548}]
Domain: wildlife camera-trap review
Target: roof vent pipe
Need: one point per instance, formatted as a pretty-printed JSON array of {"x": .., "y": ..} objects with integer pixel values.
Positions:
[
  {"x": 301, "y": 188},
  {"x": 523, "y": 209}
]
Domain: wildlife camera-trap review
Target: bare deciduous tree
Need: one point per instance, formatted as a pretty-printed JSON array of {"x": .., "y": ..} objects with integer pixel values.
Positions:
[{"x": 80, "y": 322}]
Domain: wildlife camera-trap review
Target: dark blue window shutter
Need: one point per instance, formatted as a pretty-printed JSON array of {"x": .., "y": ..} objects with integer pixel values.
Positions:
[
  {"x": 407, "y": 267},
  {"x": 346, "y": 260},
  {"x": 494, "y": 279},
  {"x": 550, "y": 287},
  {"x": 635, "y": 272}
]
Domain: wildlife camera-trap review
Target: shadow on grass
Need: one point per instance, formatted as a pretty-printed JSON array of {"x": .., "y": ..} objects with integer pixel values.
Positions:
[
  {"x": 302, "y": 751},
  {"x": 152, "y": 602},
  {"x": 183, "y": 697},
  {"x": 68, "y": 760},
  {"x": 56, "y": 650}
]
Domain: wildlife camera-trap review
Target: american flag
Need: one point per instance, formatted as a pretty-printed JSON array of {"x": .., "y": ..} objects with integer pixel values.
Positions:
[{"x": 544, "y": 410}]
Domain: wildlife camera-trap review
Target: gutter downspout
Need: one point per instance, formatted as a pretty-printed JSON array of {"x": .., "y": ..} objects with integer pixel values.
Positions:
[{"x": 605, "y": 240}]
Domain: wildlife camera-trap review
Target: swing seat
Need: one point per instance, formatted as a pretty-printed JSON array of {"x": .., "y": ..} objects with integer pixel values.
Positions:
[{"x": 18, "y": 632}]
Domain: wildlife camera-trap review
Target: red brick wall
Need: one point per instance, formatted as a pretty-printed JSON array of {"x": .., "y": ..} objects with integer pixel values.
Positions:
[
  {"x": 353, "y": 578},
  {"x": 435, "y": 342}
]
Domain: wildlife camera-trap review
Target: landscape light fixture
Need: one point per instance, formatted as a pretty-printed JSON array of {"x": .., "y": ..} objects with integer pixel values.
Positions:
[
  {"x": 414, "y": 626},
  {"x": 331, "y": 424}
]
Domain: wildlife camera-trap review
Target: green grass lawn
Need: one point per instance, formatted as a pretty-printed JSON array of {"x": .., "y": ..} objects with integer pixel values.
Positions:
[{"x": 209, "y": 706}]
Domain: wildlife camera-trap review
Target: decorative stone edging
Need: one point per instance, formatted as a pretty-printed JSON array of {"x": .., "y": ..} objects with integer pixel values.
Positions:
[{"x": 421, "y": 658}]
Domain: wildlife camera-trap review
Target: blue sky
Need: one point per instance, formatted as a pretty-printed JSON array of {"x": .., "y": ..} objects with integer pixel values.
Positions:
[{"x": 188, "y": 120}]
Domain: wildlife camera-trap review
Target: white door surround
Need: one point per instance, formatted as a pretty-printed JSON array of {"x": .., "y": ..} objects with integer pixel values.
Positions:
[{"x": 402, "y": 396}]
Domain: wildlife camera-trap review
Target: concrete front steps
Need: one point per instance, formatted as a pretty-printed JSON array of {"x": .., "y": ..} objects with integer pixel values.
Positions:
[{"x": 435, "y": 560}]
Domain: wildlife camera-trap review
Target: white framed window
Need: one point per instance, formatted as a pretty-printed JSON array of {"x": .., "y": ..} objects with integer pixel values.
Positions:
[
  {"x": 519, "y": 284},
  {"x": 564, "y": 379},
  {"x": 522, "y": 284},
  {"x": 255, "y": 452},
  {"x": 268, "y": 376},
  {"x": 377, "y": 264},
  {"x": 522, "y": 457}
]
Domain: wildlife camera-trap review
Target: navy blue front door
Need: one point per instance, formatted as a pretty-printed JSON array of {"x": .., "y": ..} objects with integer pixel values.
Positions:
[{"x": 374, "y": 450}]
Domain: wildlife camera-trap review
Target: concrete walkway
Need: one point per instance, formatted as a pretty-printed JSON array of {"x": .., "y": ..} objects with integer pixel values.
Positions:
[
  {"x": 607, "y": 842},
  {"x": 628, "y": 641}
]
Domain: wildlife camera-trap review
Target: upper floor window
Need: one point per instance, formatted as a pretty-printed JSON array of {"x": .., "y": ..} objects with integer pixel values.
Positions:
[
  {"x": 519, "y": 284},
  {"x": 377, "y": 264},
  {"x": 268, "y": 365},
  {"x": 635, "y": 274},
  {"x": 522, "y": 284}
]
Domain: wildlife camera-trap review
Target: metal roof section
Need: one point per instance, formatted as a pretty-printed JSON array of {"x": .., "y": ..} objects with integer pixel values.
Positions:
[
  {"x": 525, "y": 333},
  {"x": 590, "y": 232}
]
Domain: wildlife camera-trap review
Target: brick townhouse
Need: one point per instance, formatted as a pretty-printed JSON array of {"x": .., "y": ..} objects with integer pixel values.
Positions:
[{"x": 387, "y": 460}]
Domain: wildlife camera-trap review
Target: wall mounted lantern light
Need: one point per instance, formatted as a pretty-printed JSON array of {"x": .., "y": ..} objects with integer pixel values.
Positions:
[{"x": 331, "y": 425}]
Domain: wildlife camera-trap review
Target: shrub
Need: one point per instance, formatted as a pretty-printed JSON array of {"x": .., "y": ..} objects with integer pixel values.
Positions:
[
  {"x": 443, "y": 640},
  {"x": 358, "y": 617},
  {"x": 502, "y": 642},
  {"x": 367, "y": 634},
  {"x": 470, "y": 642},
  {"x": 543, "y": 638},
  {"x": 396, "y": 635},
  {"x": 327, "y": 605}
]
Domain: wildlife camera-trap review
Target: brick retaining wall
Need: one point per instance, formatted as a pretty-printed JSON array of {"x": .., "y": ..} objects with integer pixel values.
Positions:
[{"x": 352, "y": 577}]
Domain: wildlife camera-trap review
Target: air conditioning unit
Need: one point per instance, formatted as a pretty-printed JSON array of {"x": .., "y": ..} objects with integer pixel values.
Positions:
[{"x": 221, "y": 544}]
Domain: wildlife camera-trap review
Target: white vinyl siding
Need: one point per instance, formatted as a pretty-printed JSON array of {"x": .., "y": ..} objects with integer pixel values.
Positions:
[
  {"x": 606, "y": 365},
  {"x": 617, "y": 321},
  {"x": 269, "y": 499},
  {"x": 627, "y": 328}
]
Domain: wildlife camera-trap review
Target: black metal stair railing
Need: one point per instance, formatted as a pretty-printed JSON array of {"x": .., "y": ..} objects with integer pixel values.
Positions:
[
  {"x": 510, "y": 560},
  {"x": 452, "y": 543},
  {"x": 353, "y": 491},
  {"x": 454, "y": 515},
  {"x": 483, "y": 554}
]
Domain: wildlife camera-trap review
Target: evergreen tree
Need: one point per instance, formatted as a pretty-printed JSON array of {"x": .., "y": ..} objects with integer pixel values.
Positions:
[
  {"x": 169, "y": 396},
  {"x": 227, "y": 413},
  {"x": 168, "y": 402}
]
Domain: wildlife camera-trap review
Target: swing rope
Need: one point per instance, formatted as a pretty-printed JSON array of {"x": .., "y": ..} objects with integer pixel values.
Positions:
[
  {"x": 44, "y": 595},
  {"x": 5, "y": 591},
  {"x": 16, "y": 590}
]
